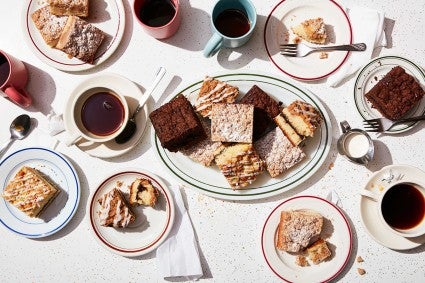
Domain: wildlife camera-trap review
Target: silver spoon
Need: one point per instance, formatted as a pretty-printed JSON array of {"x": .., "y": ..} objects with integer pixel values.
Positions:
[
  {"x": 131, "y": 126},
  {"x": 19, "y": 129}
]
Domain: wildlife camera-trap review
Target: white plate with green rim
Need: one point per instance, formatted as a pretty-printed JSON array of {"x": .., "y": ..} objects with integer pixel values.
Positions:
[
  {"x": 373, "y": 72},
  {"x": 210, "y": 181}
]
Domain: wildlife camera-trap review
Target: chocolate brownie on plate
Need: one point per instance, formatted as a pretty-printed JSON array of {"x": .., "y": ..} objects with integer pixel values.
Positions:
[
  {"x": 176, "y": 124},
  {"x": 395, "y": 94}
]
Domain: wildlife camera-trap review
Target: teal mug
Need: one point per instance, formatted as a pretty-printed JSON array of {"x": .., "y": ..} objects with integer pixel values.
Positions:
[{"x": 233, "y": 22}]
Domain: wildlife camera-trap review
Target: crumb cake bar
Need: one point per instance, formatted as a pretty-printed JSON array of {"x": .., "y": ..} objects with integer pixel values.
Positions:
[
  {"x": 318, "y": 251},
  {"x": 395, "y": 94},
  {"x": 143, "y": 192},
  {"x": 303, "y": 117},
  {"x": 240, "y": 164},
  {"x": 265, "y": 109},
  {"x": 176, "y": 124},
  {"x": 205, "y": 150},
  {"x": 80, "y": 39},
  {"x": 29, "y": 191},
  {"x": 297, "y": 228},
  {"x": 312, "y": 30},
  {"x": 232, "y": 122},
  {"x": 214, "y": 91},
  {"x": 278, "y": 152},
  {"x": 49, "y": 26},
  {"x": 69, "y": 7},
  {"x": 114, "y": 210}
]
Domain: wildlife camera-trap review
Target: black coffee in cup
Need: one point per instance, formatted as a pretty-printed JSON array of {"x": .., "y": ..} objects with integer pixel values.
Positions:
[
  {"x": 4, "y": 69},
  {"x": 157, "y": 13},
  {"x": 232, "y": 23}
]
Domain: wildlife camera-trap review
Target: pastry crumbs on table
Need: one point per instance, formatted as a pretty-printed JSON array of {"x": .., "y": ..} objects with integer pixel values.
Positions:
[
  {"x": 361, "y": 271},
  {"x": 359, "y": 259}
]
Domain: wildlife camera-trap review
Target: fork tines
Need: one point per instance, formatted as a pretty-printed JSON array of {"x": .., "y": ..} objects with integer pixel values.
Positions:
[
  {"x": 372, "y": 126},
  {"x": 288, "y": 49}
]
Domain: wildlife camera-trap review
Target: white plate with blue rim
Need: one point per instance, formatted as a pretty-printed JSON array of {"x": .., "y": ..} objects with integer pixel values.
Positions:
[{"x": 60, "y": 211}]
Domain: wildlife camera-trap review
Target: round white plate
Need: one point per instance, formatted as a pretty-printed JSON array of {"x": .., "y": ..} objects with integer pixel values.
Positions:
[
  {"x": 60, "y": 211},
  {"x": 336, "y": 231},
  {"x": 131, "y": 92},
  {"x": 152, "y": 226},
  {"x": 107, "y": 15},
  {"x": 278, "y": 31},
  {"x": 369, "y": 211},
  {"x": 210, "y": 181},
  {"x": 374, "y": 72}
]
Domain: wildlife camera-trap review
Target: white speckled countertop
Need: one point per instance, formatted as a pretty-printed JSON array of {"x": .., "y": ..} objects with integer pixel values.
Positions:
[{"x": 228, "y": 231}]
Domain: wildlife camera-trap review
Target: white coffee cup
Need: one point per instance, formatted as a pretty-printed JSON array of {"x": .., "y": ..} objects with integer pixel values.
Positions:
[
  {"x": 98, "y": 114},
  {"x": 401, "y": 207}
]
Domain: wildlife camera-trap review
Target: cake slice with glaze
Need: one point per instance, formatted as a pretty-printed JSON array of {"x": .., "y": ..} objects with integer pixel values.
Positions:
[
  {"x": 312, "y": 30},
  {"x": 303, "y": 117},
  {"x": 114, "y": 210}
]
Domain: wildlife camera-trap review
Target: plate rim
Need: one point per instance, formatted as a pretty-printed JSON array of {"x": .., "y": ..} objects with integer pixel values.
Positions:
[
  {"x": 77, "y": 190},
  {"x": 315, "y": 198},
  {"x": 81, "y": 66},
  {"x": 298, "y": 77},
  {"x": 364, "y": 69},
  {"x": 171, "y": 214},
  {"x": 278, "y": 190}
]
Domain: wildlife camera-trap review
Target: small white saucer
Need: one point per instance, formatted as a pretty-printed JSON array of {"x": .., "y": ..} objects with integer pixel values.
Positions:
[
  {"x": 369, "y": 213},
  {"x": 132, "y": 93}
]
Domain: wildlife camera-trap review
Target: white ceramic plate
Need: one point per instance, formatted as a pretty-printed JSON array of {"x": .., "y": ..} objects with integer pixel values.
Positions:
[
  {"x": 278, "y": 31},
  {"x": 369, "y": 211},
  {"x": 374, "y": 72},
  {"x": 107, "y": 15},
  {"x": 60, "y": 210},
  {"x": 210, "y": 181},
  {"x": 152, "y": 225},
  {"x": 131, "y": 92},
  {"x": 336, "y": 231}
]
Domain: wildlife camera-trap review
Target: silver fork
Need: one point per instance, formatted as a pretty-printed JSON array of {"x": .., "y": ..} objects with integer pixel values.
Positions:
[
  {"x": 301, "y": 50},
  {"x": 380, "y": 125}
]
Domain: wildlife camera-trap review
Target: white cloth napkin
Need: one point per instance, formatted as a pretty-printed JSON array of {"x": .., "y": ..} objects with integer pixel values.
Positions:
[
  {"x": 178, "y": 256},
  {"x": 368, "y": 27},
  {"x": 333, "y": 197}
]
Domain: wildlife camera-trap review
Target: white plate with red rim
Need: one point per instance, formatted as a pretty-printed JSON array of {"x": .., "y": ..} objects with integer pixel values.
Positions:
[
  {"x": 372, "y": 73},
  {"x": 107, "y": 15},
  {"x": 152, "y": 225},
  {"x": 336, "y": 231},
  {"x": 289, "y": 13},
  {"x": 368, "y": 210}
]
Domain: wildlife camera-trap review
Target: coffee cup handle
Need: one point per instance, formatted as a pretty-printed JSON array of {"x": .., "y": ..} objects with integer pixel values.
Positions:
[
  {"x": 20, "y": 97},
  {"x": 369, "y": 194},
  {"x": 213, "y": 45},
  {"x": 72, "y": 139}
]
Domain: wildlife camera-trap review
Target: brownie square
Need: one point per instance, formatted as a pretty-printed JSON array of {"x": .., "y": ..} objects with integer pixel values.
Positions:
[
  {"x": 395, "y": 94},
  {"x": 232, "y": 122},
  {"x": 176, "y": 124},
  {"x": 266, "y": 108}
]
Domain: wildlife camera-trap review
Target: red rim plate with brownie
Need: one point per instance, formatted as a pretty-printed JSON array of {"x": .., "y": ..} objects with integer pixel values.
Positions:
[
  {"x": 289, "y": 13},
  {"x": 108, "y": 15},
  {"x": 372, "y": 73},
  {"x": 152, "y": 224},
  {"x": 336, "y": 229}
]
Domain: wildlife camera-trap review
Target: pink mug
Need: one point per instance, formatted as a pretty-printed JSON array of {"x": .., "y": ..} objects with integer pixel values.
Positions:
[
  {"x": 159, "y": 18},
  {"x": 13, "y": 79}
]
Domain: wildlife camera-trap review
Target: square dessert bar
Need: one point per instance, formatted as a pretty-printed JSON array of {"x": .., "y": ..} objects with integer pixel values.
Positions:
[
  {"x": 49, "y": 25},
  {"x": 176, "y": 124},
  {"x": 69, "y": 7},
  {"x": 80, "y": 39},
  {"x": 240, "y": 164},
  {"x": 29, "y": 191},
  {"x": 232, "y": 122},
  {"x": 395, "y": 94},
  {"x": 214, "y": 91},
  {"x": 114, "y": 210},
  {"x": 265, "y": 109},
  {"x": 278, "y": 152},
  {"x": 303, "y": 117}
]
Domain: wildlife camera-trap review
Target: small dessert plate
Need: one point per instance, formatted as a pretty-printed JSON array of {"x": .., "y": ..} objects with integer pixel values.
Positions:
[
  {"x": 373, "y": 72},
  {"x": 108, "y": 15},
  {"x": 60, "y": 211},
  {"x": 368, "y": 212},
  {"x": 336, "y": 231},
  {"x": 152, "y": 225}
]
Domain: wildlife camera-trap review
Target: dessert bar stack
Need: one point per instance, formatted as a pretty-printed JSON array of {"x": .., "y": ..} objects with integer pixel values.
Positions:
[
  {"x": 61, "y": 27},
  {"x": 240, "y": 136}
]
